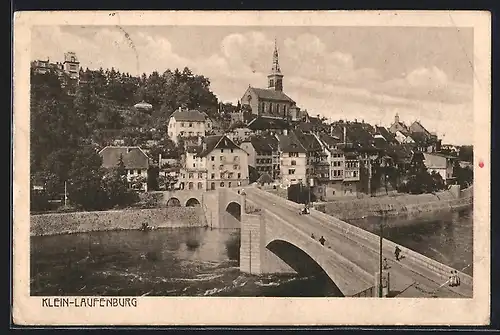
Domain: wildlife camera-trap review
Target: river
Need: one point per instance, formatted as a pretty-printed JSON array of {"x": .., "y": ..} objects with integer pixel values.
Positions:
[{"x": 203, "y": 262}]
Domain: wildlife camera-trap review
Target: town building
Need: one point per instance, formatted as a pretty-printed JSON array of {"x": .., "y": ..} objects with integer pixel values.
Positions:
[
  {"x": 136, "y": 163},
  {"x": 271, "y": 101},
  {"x": 188, "y": 125},
  {"x": 293, "y": 159},
  {"x": 263, "y": 154},
  {"x": 216, "y": 163},
  {"x": 442, "y": 164}
]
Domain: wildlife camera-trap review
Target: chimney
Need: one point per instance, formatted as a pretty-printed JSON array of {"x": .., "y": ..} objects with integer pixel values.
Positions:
[
  {"x": 396, "y": 118},
  {"x": 180, "y": 109}
]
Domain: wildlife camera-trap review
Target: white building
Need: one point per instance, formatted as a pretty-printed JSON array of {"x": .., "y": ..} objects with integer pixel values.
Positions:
[{"x": 187, "y": 124}]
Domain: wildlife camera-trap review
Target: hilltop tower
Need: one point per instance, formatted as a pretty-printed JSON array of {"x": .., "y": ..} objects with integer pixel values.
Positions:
[
  {"x": 275, "y": 78},
  {"x": 72, "y": 65}
]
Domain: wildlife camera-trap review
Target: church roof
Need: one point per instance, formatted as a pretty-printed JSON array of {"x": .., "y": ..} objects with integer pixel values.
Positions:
[{"x": 270, "y": 94}]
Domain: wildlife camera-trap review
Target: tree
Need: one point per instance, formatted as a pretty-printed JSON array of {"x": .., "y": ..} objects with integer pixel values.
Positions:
[
  {"x": 85, "y": 188},
  {"x": 116, "y": 186}
]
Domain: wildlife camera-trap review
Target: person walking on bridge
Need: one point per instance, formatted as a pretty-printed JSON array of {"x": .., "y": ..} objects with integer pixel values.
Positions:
[
  {"x": 397, "y": 252},
  {"x": 322, "y": 240}
]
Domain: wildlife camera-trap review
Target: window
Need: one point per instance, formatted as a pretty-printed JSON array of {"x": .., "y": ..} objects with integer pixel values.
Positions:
[
  {"x": 294, "y": 162},
  {"x": 200, "y": 186},
  {"x": 231, "y": 150},
  {"x": 239, "y": 175},
  {"x": 190, "y": 176},
  {"x": 213, "y": 175},
  {"x": 213, "y": 166},
  {"x": 138, "y": 171},
  {"x": 194, "y": 164},
  {"x": 235, "y": 167},
  {"x": 221, "y": 184},
  {"x": 221, "y": 150},
  {"x": 222, "y": 158},
  {"x": 212, "y": 158},
  {"x": 200, "y": 175},
  {"x": 212, "y": 186},
  {"x": 271, "y": 82},
  {"x": 190, "y": 125},
  {"x": 294, "y": 154},
  {"x": 291, "y": 171},
  {"x": 229, "y": 184},
  {"x": 190, "y": 185},
  {"x": 230, "y": 176},
  {"x": 221, "y": 167},
  {"x": 182, "y": 124}
]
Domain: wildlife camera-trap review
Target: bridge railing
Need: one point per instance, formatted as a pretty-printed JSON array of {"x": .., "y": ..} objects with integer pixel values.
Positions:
[{"x": 368, "y": 293}]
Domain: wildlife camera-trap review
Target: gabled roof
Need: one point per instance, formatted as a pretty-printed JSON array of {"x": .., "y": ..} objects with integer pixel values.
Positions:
[
  {"x": 216, "y": 142},
  {"x": 308, "y": 141},
  {"x": 389, "y": 137},
  {"x": 291, "y": 143},
  {"x": 133, "y": 157},
  {"x": 329, "y": 140},
  {"x": 189, "y": 115},
  {"x": 270, "y": 94},
  {"x": 264, "y": 143}
]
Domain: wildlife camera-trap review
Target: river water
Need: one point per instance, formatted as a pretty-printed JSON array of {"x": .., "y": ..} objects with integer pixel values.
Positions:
[{"x": 203, "y": 262}]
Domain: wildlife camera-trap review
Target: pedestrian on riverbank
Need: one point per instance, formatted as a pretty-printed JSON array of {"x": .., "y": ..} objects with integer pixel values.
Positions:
[
  {"x": 322, "y": 240},
  {"x": 312, "y": 236}
]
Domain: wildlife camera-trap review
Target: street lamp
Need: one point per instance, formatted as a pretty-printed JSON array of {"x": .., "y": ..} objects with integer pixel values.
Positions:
[{"x": 383, "y": 213}]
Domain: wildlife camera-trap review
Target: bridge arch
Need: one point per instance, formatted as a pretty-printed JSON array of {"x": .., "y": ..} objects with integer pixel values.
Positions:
[
  {"x": 173, "y": 202},
  {"x": 192, "y": 202},
  {"x": 304, "y": 264},
  {"x": 234, "y": 208}
]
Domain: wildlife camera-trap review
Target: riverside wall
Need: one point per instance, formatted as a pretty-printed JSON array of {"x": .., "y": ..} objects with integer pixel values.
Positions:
[
  {"x": 79, "y": 222},
  {"x": 407, "y": 204}
]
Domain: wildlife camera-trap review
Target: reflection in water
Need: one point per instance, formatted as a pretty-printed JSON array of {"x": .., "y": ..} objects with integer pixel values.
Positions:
[{"x": 201, "y": 261}]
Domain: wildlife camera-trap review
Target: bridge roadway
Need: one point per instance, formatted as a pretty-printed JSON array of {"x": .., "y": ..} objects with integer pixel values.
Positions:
[{"x": 407, "y": 278}]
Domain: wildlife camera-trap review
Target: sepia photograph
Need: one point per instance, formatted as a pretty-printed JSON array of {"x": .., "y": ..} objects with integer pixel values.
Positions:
[{"x": 267, "y": 159}]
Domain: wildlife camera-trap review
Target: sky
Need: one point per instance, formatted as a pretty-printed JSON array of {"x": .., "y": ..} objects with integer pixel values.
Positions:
[{"x": 348, "y": 73}]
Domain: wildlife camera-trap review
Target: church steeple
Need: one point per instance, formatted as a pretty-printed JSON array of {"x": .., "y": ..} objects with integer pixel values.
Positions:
[{"x": 275, "y": 78}]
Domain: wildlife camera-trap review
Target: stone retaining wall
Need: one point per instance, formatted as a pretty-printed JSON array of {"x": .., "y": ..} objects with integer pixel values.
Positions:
[
  {"x": 397, "y": 205},
  {"x": 79, "y": 222}
]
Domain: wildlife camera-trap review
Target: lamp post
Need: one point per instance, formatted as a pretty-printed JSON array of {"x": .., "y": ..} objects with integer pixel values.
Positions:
[{"x": 381, "y": 237}]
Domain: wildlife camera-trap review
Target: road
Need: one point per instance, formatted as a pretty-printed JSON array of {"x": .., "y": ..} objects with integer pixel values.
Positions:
[{"x": 412, "y": 280}]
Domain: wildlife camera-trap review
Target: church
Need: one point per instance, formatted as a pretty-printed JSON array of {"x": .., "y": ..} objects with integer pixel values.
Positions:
[{"x": 271, "y": 101}]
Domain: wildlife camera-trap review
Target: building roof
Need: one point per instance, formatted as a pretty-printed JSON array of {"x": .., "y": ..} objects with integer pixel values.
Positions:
[
  {"x": 270, "y": 94},
  {"x": 308, "y": 141},
  {"x": 215, "y": 142},
  {"x": 291, "y": 143},
  {"x": 133, "y": 157},
  {"x": 329, "y": 140},
  {"x": 389, "y": 137},
  {"x": 189, "y": 115},
  {"x": 264, "y": 143},
  {"x": 266, "y": 123}
]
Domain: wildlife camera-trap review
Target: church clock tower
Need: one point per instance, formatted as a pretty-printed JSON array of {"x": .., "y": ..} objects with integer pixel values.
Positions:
[{"x": 275, "y": 78}]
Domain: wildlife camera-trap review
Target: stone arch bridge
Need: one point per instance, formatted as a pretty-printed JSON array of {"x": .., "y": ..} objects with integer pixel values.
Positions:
[{"x": 276, "y": 239}]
